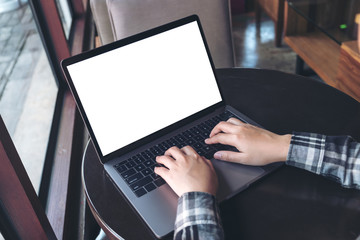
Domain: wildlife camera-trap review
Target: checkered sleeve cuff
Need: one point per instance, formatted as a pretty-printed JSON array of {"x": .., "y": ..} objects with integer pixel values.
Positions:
[
  {"x": 197, "y": 217},
  {"x": 306, "y": 151},
  {"x": 335, "y": 157}
]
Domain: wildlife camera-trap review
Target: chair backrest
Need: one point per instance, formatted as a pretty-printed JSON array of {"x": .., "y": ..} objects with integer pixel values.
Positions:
[
  {"x": 129, "y": 17},
  {"x": 100, "y": 13},
  {"x": 21, "y": 214}
]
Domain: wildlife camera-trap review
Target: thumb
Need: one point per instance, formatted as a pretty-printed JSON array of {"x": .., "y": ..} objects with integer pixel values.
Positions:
[{"x": 236, "y": 157}]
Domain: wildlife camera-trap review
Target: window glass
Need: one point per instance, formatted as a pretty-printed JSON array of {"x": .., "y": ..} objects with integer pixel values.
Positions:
[
  {"x": 8, "y": 5},
  {"x": 65, "y": 15},
  {"x": 27, "y": 88}
]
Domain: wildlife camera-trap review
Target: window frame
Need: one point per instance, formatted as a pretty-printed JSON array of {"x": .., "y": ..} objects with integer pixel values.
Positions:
[{"x": 61, "y": 172}]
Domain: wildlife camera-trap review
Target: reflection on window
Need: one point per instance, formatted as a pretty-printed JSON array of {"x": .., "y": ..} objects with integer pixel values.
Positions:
[
  {"x": 27, "y": 89},
  {"x": 65, "y": 15}
]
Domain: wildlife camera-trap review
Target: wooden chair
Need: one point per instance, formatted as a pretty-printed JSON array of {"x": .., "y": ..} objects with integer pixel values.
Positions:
[
  {"x": 275, "y": 10},
  {"x": 21, "y": 214}
]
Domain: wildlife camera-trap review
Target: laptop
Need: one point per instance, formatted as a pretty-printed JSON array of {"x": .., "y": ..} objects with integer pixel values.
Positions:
[{"x": 141, "y": 95}]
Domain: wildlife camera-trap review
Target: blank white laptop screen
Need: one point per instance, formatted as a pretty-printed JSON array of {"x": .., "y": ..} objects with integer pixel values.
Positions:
[{"x": 138, "y": 89}]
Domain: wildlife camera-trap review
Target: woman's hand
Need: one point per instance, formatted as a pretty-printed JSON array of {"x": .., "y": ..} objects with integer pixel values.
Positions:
[
  {"x": 256, "y": 146},
  {"x": 186, "y": 171}
]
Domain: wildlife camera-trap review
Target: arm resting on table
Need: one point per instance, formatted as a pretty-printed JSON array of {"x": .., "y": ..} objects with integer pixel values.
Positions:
[
  {"x": 198, "y": 217},
  {"x": 335, "y": 157}
]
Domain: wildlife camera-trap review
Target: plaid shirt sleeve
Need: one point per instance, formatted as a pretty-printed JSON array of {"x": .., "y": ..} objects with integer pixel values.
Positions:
[
  {"x": 198, "y": 217},
  {"x": 335, "y": 157}
]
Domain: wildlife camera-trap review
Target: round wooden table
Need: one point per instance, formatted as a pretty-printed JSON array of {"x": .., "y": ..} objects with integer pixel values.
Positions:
[{"x": 289, "y": 203}]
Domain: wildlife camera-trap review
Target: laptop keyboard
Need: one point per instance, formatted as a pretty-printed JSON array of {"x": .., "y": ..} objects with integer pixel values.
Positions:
[{"x": 138, "y": 171}]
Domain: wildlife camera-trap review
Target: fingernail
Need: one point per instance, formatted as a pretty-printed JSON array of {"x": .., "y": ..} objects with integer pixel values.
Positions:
[
  {"x": 206, "y": 140},
  {"x": 217, "y": 155}
]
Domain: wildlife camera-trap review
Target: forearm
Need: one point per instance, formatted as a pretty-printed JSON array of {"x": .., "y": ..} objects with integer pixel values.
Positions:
[
  {"x": 198, "y": 217},
  {"x": 335, "y": 157}
]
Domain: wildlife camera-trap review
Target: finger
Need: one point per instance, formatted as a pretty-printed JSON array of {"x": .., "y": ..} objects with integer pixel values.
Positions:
[
  {"x": 162, "y": 172},
  {"x": 235, "y": 121},
  {"x": 225, "y": 127},
  {"x": 208, "y": 162},
  {"x": 228, "y": 156},
  {"x": 167, "y": 161},
  {"x": 205, "y": 159},
  {"x": 189, "y": 151},
  {"x": 222, "y": 138},
  {"x": 174, "y": 152}
]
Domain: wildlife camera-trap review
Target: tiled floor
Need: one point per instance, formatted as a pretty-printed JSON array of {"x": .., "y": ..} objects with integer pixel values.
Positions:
[
  {"x": 19, "y": 51},
  {"x": 255, "y": 48}
]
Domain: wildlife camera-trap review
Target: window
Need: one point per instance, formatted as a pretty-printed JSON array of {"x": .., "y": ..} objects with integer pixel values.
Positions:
[
  {"x": 8, "y": 5},
  {"x": 65, "y": 15},
  {"x": 27, "y": 88},
  {"x": 30, "y": 75}
]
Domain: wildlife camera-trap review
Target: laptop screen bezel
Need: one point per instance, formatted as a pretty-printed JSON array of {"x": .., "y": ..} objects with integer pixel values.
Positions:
[{"x": 120, "y": 43}]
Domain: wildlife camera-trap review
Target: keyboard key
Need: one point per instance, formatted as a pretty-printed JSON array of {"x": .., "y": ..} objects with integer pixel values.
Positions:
[
  {"x": 181, "y": 145},
  {"x": 147, "y": 171},
  {"x": 165, "y": 146},
  {"x": 180, "y": 138},
  {"x": 205, "y": 134},
  {"x": 137, "y": 160},
  {"x": 158, "y": 182},
  {"x": 210, "y": 155},
  {"x": 140, "y": 183},
  {"x": 121, "y": 168},
  {"x": 128, "y": 173},
  {"x": 199, "y": 138},
  {"x": 212, "y": 123},
  {"x": 207, "y": 148},
  {"x": 219, "y": 146},
  {"x": 148, "y": 163},
  {"x": 139, "y": 167},
  {"x": 173, "y": 142},
  {"x": 201, "y": 152},
  {"x": 189, "y": 134},
  {"x": 205, "y": 127},
  {"x": 195, "y": 130},
  {"x": 140, "y": 192},
  {"x": 152, "y": 150},
  {"x": 157, "y": 150},
  {"x": 149, "y": 154},
  {"x": 190, "y": 142},
  {"x": 121, "y": 163},
  {"x": 143, "y": 154},
  {"x": 197, "y": 146},
  {"x": 134, "y": 178},
  {"x": 130, "y": 164},
  {"x": 149, "y": 187},
  {"x": 154, "y": 176}
]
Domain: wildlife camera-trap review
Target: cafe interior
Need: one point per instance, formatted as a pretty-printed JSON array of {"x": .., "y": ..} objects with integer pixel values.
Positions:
[{"x": 291, "y": 65}]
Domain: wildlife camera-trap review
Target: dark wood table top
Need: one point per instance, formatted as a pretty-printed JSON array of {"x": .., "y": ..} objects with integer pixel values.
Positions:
[{"x": 289, "y": 203}]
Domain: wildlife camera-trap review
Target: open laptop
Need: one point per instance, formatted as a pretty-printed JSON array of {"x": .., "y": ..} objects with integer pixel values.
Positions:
[{"x": 143, "y": 94}]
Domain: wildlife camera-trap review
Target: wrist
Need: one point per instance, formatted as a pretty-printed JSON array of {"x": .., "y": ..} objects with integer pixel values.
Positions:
[{"x": 284, "y": 146}]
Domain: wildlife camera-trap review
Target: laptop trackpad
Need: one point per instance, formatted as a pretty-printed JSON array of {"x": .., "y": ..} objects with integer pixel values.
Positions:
[{"x": 234, "y": 177}]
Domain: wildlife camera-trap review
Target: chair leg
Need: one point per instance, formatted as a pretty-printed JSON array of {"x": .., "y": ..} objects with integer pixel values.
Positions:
[
  {"x": 258, "y": 12},
  {"x": 279, "y": 25},
  {"x": 299, "y": 69},
  {"x": 278, "y": 33}
]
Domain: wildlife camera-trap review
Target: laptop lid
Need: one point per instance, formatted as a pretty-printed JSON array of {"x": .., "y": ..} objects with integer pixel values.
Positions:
[{"x": 136, "y": 89}]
